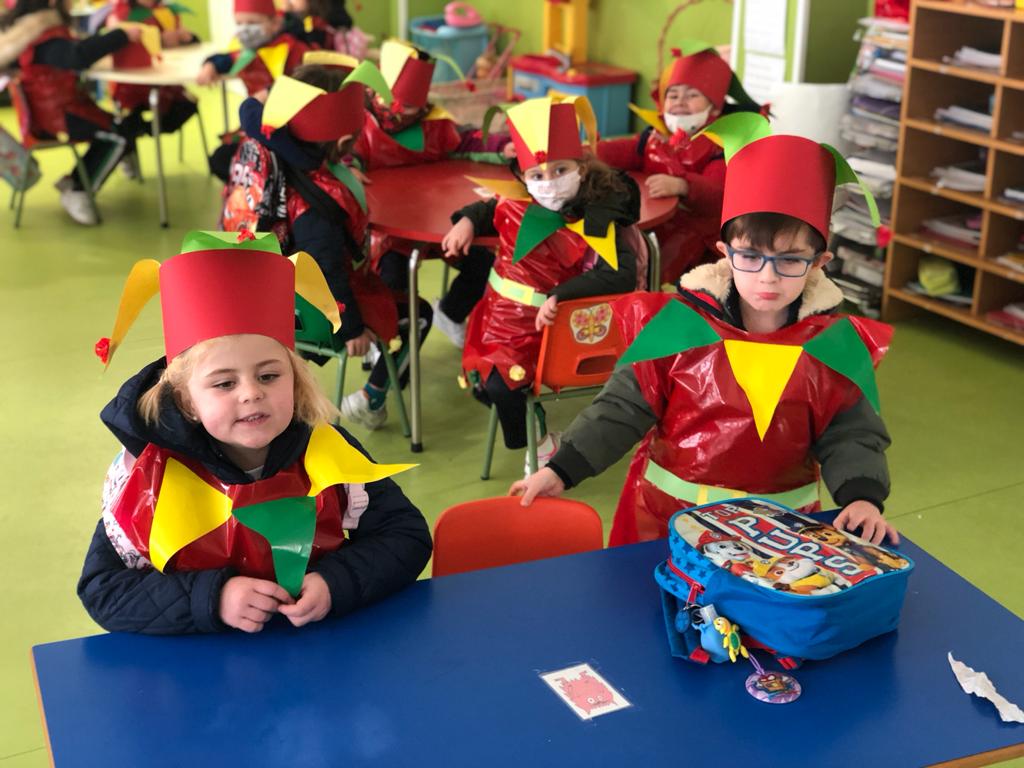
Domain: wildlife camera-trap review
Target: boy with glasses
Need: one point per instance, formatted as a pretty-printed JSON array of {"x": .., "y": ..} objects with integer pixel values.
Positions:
[{"x": 745, "y": 383}]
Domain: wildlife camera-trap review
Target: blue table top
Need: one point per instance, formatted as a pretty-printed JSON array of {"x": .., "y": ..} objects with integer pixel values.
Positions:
[{"x": 446, "y": 673}]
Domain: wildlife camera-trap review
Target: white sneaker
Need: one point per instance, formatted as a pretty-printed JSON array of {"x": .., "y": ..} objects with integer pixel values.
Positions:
[
  {"x": 546, "y": 450},
  {"x": 356, "y": 408},
  {"x": 79, "y": 207},
  {"x": 456, "y": 332},
  {"x": 65, "y": 184}
]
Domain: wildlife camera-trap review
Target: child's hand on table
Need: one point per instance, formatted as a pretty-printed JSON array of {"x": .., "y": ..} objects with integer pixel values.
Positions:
[
  {"x": 360, "y": 345},
  {"x": 663, "y": 185},
  {"x": 456, "y": 243},
  {"x": 247, "y": 603},
  {"x": 543, "y": 482},
  {"x": 547, "y": 313},
  {"x": 313, "y": 604},
  {"x": 868, "y": 518},
  {"x": 207, "y": 74}
]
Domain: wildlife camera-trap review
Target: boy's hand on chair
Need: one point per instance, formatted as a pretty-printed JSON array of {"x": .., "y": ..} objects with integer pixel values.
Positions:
[
  {"x": 207, "y": 74},
  {"x": 247, "y": 603},
  {"x": 868, "y": 518},
  {"x": 313, "y": 604},
  {"x": 543, "y": 482},
  {"x": 547, "y": 313},
  {"x": 456, "y": 243},
  {"x": 663, "y": 185}
]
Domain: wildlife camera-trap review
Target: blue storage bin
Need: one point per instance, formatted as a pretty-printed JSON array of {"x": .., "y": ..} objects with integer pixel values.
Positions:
[{"x": 464, "y": 44}]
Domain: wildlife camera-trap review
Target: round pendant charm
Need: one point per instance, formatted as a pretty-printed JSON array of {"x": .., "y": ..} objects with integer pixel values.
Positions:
[{"x": 773, "y": 687}]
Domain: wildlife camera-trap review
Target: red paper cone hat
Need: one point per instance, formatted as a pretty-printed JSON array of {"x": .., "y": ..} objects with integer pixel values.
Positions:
[
  {"x": 548, "y": 129},
  {"x": 408, "y": 71},
  {"x": 698, "y": 65},
  {"x": 265, "y": 7}
]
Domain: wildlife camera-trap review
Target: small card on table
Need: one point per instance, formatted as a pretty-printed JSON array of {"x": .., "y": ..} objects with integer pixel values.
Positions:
[{"x": 584, "y": 691}]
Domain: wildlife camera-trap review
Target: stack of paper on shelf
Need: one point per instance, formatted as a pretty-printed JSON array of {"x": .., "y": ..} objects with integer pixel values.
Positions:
[
  {"x": 964, "y": 117},
  {"x": 960, "y": 231},
  {"x": 963, "y": 177},
  {"x": 973, "y": 57}
]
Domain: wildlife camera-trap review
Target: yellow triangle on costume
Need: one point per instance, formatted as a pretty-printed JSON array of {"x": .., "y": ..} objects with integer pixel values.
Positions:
[
  {"x": 330, "y": 59},
  {"x": 330, "y": 460},
  {"x": 164, "y": 17},
  {"x": 762, "y": 371},
  {"x": 393, "y": 55},
  {"x": 234, "y": 45},
  {"x": 311, "y": 285},
  {"x": 187, "y": 508},
  {"x": 510, "y": 189},
  {"x": 274, "y": 58},
  {"x": 287, "y": 98},
  {"x": 143, "y": 284},
  {"x": 605, "y": 246},
  {"x": 149, "y": 36},
  {"x": 439, "y": 113},
  {"x": 532, "y": 119},
  {"x": 652, "y": 117}
]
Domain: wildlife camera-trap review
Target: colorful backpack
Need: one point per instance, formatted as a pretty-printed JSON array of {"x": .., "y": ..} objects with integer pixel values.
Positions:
[
  {"x": 752, "y": 574},
  {"x": 255, "y": 196}
]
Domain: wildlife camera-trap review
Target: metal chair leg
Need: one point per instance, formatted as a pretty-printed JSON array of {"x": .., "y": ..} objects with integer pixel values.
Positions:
[
  {"x": 339, "y": 382},
  {"x": 22, "y": 189},
  {"x": 492, "y": 433},
  {"x": 531, "y": 432},
  {"x": 396, "y": 389},
  {"x": 202, "y": 138},
  {"x": 444, "y": 279}
]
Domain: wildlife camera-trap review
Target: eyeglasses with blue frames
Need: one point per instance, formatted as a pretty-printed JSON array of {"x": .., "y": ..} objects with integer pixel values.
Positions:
[{"x": 784, "y": 264}]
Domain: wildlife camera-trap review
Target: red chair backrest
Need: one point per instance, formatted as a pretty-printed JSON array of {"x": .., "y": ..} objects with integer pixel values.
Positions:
[
  {"x": 500, "y": 531},
  {"x": 20, "y": 103},
  {"x": 634, "y": 237},
  {"x": 581, "y": 348}
]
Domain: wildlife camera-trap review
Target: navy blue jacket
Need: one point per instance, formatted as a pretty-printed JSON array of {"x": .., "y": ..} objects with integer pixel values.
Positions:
[{"x": 385, "y": 553}]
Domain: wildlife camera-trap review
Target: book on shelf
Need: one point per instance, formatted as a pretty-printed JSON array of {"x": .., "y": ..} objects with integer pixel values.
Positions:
[
  {"x": 963, "y": 177},
  {"x": 964, "y": 117},
  {"x": 879, "y": 109},
  {"x": 876, "y": 88},
  {"x": 1006, "y": 319},
  {"x": 966, "y": 56},
  {"x": 870, "y": 126},
  {"x": 960, "y": 231},
  {"x": 1014, "y": 194},
  {"x": 868, "y": 164},
  {"x": 1013, "y": 260}
]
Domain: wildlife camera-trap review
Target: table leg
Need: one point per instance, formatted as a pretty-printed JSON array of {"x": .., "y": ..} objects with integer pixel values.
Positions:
[
  {"x": 224, "y": 104},
  {"x": 414, "y": 350},
  {"x": 154, "y": 107}
]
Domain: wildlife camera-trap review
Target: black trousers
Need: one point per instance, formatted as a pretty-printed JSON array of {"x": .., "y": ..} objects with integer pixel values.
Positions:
[
  {"x": 511, "y": 407},
  {"x": 379, "y": 373},
  {"x": 468, "y": 286},
  {"x": 106, "y": 148}
]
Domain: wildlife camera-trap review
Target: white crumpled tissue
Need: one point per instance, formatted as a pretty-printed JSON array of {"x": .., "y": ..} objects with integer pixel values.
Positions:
[{"x": 979, "y": 684}]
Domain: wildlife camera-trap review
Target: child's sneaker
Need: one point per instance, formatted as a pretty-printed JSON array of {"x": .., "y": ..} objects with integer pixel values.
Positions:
[
  {"x": 546, "y": 450},
  {"x": 65, "y": 184},
  {"x": 130, "y": 166},
  {"x": 456, "y": 332},
  {"x": 356, "y": 408},
  {"x": 79, "y": 207}
]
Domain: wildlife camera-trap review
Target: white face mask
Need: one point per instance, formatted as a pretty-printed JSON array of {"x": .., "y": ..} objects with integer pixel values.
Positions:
[
  {"x": 688, "y": 123},
  {"x": 555, "y": 193}
]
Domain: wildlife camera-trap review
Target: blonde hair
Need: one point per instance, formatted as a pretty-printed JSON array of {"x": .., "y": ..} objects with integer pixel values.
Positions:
[{"x": 311, "y": 404}]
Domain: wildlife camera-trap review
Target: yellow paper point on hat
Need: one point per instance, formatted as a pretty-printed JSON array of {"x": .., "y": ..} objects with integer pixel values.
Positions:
[
  {"x": 532, "y": 121},
  {"x": 311, "y": 285},
  {"x": 187, "y": 509},
  {"x": 393, "y": 55},
  {"x": 330, "y": 459},
  {"x": 510, "y": 189},
  {"x": 762, "y": 371},
  {"x": 437, "y": 112},
  {"x": 164, "y": 17},
  {"x": 330, "y": 59},
  {"x": 150, "y": 36},
  {"x": 605, "y": 246},
  {"x": 287, "y": 98},
  {"x": 652, "y": 117},
  {"x": 143, "y": 284},
  {"x": 274, "y": 58},
  {"x": 585, "y": 114}
]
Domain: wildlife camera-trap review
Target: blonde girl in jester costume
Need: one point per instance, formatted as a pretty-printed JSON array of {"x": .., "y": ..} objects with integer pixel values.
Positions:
[
  {"x": 565, "y": 233},
  {"x": 746, "y": 382},
  {"x": 690, "y": 94},
  {"x": 233, "y": 500}
]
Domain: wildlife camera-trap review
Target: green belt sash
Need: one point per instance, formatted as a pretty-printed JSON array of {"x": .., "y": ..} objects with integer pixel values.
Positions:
[
  {"x": 698, "y": 494},
  {"x": 514, "y": 291}
]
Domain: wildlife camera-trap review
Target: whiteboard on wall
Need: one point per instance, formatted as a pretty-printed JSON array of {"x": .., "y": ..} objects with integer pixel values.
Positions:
[{"x": 766, "y": 49}]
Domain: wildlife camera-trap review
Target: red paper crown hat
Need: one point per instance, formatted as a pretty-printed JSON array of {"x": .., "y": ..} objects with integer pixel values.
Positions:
[
  {"x": 697, "y": 64},
  {"x": 222, "y": 283},
  {"x": 312, "y": 114},
  {"x": 408, "y": 71},
  {"x": 783, "y": 174},
  {"x": 264, "y": 7},
  {"x": 548, "y": 129}
]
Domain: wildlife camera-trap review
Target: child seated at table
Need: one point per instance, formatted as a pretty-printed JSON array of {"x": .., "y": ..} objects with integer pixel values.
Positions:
[
  {"x": 176, "y": 106},
  {"x": 690, "y": 94},
  {"x": 233, "y": 499},
  {"x": 562, "y": 236},
  {"x": 328, "y": 25},
  {"x": 35, "y": 38},
  {"x": 291, "y": 171},
  {"x": 746, "y": 383}
]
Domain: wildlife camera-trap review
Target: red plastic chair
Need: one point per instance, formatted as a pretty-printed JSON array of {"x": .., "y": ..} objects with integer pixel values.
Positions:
[{"x": 492, "y": 532}]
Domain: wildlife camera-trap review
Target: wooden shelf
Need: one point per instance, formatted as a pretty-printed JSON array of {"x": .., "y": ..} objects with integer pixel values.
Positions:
[
  {"x": 967, "y": 73},
  {"x": 963, "y": 9},
  {"x": 932, "y": 247},
  {"x": 979, "y": 138},
  {"x": 956, "y": 313},
  {"x": 975, "y": 199}
]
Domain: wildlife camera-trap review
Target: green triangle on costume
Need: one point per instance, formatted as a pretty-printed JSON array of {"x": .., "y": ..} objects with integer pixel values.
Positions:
[
  {"x": 288, "y": 525},
  {"x": 244, "y": 59},
  {"x": 311, "y": 325},
  {"x": 411, "y": 138},
  {"x": 344, "y": 174},
  {"x": 139, "y": 14},
  {"x": 538, "y": 225},
  {"x": 200, "y": 240},
  {"x": 841, "y": 348},
  {"x": 676, "y": 328}
]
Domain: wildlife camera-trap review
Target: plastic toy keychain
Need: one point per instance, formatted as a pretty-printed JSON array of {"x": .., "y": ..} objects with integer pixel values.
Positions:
[{"x": 721, "y": 639}]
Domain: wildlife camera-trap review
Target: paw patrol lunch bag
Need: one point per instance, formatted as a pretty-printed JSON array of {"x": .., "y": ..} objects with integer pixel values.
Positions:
[{"x": 786, "y": 583}]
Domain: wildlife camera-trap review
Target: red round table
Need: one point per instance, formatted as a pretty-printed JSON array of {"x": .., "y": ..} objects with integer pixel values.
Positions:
[{"x": 415, "y": 203}]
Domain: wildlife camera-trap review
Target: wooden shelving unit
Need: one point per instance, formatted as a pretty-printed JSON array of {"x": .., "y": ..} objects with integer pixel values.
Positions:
[{"x": 938, "y": 29}]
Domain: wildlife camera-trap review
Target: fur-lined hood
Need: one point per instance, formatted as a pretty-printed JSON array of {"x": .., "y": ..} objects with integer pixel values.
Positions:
[
  {"x": 23, "y": 32},
  {"x": 820, "y": 294}
]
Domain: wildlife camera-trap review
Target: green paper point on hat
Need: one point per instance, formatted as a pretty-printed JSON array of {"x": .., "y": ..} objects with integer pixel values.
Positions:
[
  {"x": 369, "y": 75},
  {"x": 740, "y": 96},
  {"x": 199, "y": 240},
  {"x": 846, "y": 175},
  {"x": 288, "y": 525},
  {"x": 733, "y": 132},
  {"x": 538, "y": 225},
  {"x": 676, "y": 328},
  {"x": 841, "y": 348}
]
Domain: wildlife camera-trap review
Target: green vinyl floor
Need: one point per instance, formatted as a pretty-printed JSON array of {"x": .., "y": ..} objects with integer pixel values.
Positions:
[{"x": 953, "y": 400}]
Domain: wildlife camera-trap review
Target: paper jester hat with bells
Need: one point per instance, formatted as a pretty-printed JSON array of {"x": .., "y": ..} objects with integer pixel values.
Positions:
[
  {"x": 797, "y": 177},
  {"x": 545, "y": 130},
  {"x": 223, "y": 284},
  {"x": 698, "y": 65}
]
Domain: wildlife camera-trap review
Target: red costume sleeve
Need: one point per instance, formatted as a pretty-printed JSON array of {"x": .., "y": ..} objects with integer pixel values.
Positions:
[{"x": 706, "y": 189}]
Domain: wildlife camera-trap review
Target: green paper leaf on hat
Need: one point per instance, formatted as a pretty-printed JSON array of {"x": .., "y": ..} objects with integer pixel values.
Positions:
[
  {"x": 841, "y": 348},
  {"x": 369, "y": 75},
  {"x": 733, "y": 132},
  {"x": 244, "y": 59},
  {"x": 344, "y": 174},
  {"x": 538, "y": 225},
  {"x": 846, "y": 175},
  {"x": 288, "y": 525},
  {"x": 492, "y": 112},
  {"x": 411, "y": 138},
  {"x": 199, "y": 240},
  {"x": 676, "y": 328}
]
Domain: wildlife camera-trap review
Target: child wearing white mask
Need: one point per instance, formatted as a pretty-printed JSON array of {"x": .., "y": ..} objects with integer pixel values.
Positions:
[
  {"x": 552, "y": 248},
  {"x": 690, "y": 94}
]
